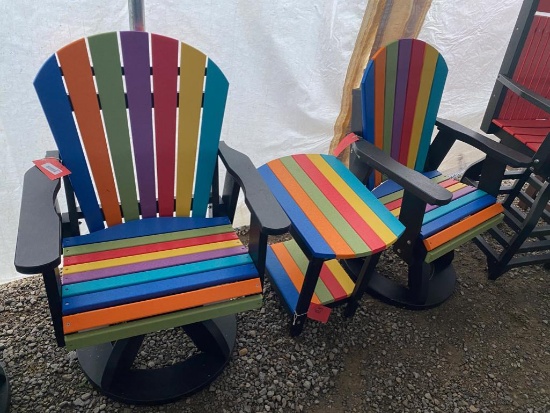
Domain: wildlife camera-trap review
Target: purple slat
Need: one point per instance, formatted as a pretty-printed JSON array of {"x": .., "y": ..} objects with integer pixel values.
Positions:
[
  {"x": 152, "y": 265},
  {"x": 135, "y": 55},
  {"x": 456, "y": 195},
  {"x": 403, "y": 62}
]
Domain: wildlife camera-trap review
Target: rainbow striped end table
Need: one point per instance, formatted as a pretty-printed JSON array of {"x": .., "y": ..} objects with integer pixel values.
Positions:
[{"x": 333, "y": 217}]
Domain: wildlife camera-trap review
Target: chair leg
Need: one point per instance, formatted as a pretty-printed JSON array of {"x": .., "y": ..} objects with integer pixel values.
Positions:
[{"x": 109, "y": 366}]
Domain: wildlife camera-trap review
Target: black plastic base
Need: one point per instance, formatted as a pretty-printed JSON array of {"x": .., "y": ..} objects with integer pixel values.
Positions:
[
  {"x": 4, "y": 391},
  {"x": 109, "y": 366},
  {"x": 441, "y": 285}
]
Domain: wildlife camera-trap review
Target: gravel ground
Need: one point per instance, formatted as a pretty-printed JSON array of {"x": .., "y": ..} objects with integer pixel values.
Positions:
[{"x": 487, "y": 349}]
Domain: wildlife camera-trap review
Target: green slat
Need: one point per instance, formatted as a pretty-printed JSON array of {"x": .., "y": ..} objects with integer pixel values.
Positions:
[
  {"x": 302, "y": 262},
  {"x": 152, "y": 324},
  {"x": 149, "y": 239},
  {"x": 399, "y": 194},
  {"x": 389, "y": 98},
  {"x": 458, "y": 241},
  {"x": 108, "y": 74},
  {"x": 351, "y": 237}
]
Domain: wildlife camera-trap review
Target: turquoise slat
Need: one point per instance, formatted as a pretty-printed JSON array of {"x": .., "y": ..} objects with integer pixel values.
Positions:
[
  {"x": 215, "y": 95},
  {"x": 55, "y": 103},
  {"x": 438, "y": 84},
  {"x": 153, "y": 275}
]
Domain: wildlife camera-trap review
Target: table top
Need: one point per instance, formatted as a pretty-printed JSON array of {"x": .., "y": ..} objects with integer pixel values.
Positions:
[{"x": 330, "y": 209}]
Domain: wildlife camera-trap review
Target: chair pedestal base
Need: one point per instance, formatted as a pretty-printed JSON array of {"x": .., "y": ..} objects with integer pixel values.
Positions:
[
  {"x": 109, "y": 366},
  {"x": 4, "y": 391},
  {"x": 440, "y": 287}
]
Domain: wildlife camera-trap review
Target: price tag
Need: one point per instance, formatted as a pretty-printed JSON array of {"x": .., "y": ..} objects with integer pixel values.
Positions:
[
  {"x": 52, "y": 168},
  {"x": 318, "y": 312}
]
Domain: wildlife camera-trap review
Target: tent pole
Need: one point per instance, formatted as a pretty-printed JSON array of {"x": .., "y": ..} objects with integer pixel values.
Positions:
[{"x": 137, "y": 15}]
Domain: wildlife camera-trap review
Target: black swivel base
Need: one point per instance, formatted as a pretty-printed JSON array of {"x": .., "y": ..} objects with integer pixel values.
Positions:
[
  {"x": 440, "y": 280},
  {"x": 109, "y": 366},
  {"x": 4, "y": 391}
]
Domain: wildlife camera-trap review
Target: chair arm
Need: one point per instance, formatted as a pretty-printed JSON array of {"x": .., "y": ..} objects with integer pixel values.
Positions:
[
  {"x": 491, "y": 148},
  {"x": 38, "y": 246},
  {"x": 539, "y": 101},
  {"x": 411, "y": 180},
  {"x": 258, "y": 197}
]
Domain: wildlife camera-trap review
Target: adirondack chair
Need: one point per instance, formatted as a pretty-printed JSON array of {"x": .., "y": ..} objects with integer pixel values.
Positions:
[
  {"x": 160, "y": 252},
  {"x": 518, "y": 113},
  {"x": 395, "y": 112}
]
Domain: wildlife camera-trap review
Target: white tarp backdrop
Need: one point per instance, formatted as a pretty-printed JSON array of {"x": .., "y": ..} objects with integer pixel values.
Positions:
[{"x": 286, "y": 62}]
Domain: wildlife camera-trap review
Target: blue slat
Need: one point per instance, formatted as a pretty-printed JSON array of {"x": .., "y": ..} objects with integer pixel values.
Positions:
[
  {"x": 124, "y": 295},
  {"x": 389, "y": 187},
  {"x": 215, "y": 95},
  {"x": 458, "y": 214},
  {"x": 143, "y": 227},
  {"x": 309, "y": 233},
  {"x": 453, "y": 205},
  {"x": 281, "y": 280},
  {"x": 438, "y": 84},
  {"x": 374, "y": 204},
  {"x": 141, "y": 277},
  {"x": 55, "y": 103}
]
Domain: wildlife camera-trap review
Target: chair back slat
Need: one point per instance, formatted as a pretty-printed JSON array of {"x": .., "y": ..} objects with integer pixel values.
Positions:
[
  {"x": 192, "y": 63},
  {"x": 137, "y": 73},
  {"x": 425, "y": 86},
  {"x": 401, "y": 91},
  {"x": 411, "y": 99},
  {"x": 532, "y": 72},
  {"x": 215, "y": 95},
  {"x": 111, "y": 145},
  {"x": 57, "y": 108},
  {"x": 165, "y": 78},
  {"x": 75, "y": 64},
  {"x": 401, "y": 84},
  {"x": 105, "y": 56}
]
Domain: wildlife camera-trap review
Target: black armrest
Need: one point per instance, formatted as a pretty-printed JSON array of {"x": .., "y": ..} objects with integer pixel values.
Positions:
[
  {"x": 258, "y": 197},
  {"x": 493, "y": 149},
  {"x": 38, "y": 247},
  {"x": 539, "y": 101},
  {"x": 411, "y": 180}
]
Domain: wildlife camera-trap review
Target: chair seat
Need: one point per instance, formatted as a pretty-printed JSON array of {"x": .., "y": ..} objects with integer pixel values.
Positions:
[
  {"x": 530, "y": 132},
  {"x": 147, "y": 274},
  {"x": 470, "y": 212}
]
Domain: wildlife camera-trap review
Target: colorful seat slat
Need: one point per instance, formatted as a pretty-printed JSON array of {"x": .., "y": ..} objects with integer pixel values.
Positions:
[
  {"x": 336, "y": 216},
  {"x": 118, "y": 279}
]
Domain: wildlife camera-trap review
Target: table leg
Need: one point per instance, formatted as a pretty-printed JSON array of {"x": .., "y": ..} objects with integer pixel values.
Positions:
[{"x": 304, "y": 300}]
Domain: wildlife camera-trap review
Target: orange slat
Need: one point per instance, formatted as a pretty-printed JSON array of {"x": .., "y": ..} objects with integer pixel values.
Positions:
[
  {"x": 78, "y": 78},
  {"x": 461, "y": 227},
  {"x": 157, "y": 306}
]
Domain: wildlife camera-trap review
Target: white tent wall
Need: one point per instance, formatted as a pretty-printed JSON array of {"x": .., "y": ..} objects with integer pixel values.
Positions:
[{"x": 286, "y": 62}]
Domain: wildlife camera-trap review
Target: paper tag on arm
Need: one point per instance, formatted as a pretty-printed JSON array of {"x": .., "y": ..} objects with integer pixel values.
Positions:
[
  {"x": 318, "y": 312},
  {"x": 52, "y": 168}
]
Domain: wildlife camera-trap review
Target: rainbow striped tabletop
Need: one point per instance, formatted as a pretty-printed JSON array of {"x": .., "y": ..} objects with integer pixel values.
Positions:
[{"x": 331, "y": 210}]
